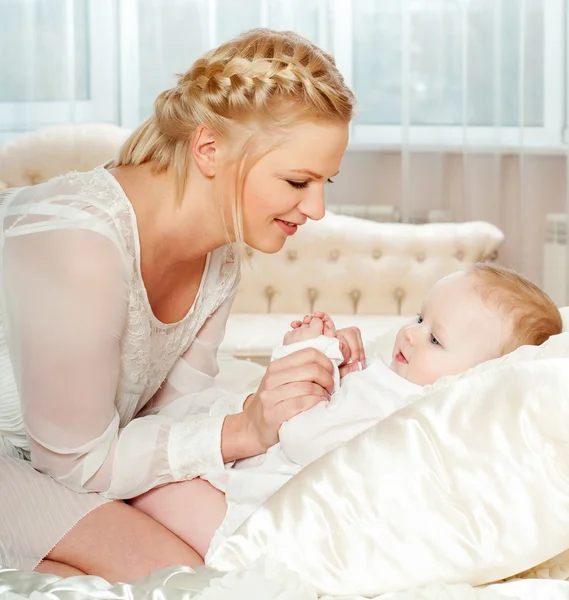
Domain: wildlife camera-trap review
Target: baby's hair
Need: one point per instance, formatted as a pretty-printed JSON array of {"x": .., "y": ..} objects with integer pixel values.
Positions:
[
  {"x": 242, "y": 90},
  {"x": 534, "y": 314}
]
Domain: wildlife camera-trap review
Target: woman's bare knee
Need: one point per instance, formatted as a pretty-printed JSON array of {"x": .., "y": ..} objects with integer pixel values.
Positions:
[
  {"x": 119, "y": 543},
  {"x": 193, "y": 510},
  {"x": 51, "y": 567}
]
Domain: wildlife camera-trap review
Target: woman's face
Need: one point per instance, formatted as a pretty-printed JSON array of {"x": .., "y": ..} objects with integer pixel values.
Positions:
[{"x": 286, "y": 186}]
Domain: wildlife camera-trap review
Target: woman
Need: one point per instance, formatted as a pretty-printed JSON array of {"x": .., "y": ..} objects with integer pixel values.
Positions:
[{"x": 116, "y": 286}]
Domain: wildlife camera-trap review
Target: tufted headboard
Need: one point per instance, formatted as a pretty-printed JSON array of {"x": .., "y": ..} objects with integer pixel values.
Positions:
[{"x": 346, "y": 265}]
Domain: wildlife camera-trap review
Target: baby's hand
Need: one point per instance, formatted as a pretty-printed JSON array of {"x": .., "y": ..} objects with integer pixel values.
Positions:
[
  {"x": 328, "y": 327},
  {"x": 350, "y": 339},
  {"x": 310, "y": 327}
]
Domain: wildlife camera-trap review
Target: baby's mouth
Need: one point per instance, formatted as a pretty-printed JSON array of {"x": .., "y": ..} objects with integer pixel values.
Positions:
[{"x": 400, "y": 357}]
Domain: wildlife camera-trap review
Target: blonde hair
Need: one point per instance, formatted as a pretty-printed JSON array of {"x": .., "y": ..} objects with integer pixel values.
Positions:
[
  {"x": 261, "y": 77},
  {"x": 534, "y": 314}
]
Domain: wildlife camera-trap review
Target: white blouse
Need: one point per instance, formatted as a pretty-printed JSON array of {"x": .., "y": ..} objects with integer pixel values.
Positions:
[{"x": 94, "y": 389}]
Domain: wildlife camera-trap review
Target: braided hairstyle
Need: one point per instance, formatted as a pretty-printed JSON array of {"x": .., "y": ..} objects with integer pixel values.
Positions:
[{"x": 262, "y": 78}]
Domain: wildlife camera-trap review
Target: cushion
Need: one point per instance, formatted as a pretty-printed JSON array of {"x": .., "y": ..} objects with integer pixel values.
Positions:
[{"x": 470, "y": 483}]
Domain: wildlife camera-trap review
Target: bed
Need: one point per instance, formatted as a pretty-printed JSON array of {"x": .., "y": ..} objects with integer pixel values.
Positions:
[{"x": 466, "y": 496}]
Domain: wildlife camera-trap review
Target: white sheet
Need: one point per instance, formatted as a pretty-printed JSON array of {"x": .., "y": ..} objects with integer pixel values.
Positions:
[{"x": 262, "y": 581}]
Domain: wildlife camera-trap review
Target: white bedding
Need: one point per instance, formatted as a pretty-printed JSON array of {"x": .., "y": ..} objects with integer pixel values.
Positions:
[
  {"x": 456, "y": 500},
  {"x": 469, "y": 483},
  {"x": 262, "y": 581},
  {"x": 364, "y": 399}
]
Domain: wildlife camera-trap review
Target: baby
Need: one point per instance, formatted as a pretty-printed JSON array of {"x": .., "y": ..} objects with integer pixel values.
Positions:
[{"x": 467, "y": 318}]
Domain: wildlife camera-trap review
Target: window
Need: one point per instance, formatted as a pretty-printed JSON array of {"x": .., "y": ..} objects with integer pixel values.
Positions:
[
  {"x": 428, "y": 72},
  {"x": 481, "y": 71},
  {"x": 57, "y": 62}
]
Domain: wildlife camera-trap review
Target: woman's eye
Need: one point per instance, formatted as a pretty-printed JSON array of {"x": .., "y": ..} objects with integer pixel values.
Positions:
[
  {"x": 434, "y": 341},
  {"x": 329, "y": 181},
  {"x": 299, "y": 185}
]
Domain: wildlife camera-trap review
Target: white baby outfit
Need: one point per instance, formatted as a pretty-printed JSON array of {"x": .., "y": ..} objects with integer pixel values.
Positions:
[{"x": 363, "y": 399}]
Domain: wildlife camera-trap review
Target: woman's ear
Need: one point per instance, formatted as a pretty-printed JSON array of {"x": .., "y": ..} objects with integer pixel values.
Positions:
[{"x": 204, "y": 150}]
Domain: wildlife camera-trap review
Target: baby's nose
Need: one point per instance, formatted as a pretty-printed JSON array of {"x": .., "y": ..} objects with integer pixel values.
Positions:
[{"x": 410, "y": 334}]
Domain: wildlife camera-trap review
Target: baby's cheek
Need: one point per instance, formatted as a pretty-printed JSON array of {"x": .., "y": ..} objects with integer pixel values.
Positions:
[{"x": 429, "y": 371}]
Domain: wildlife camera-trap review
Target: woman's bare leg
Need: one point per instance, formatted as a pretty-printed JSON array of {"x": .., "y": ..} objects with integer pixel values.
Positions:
[
  {"x": 54, "y": 568},
  {"x": 193, "y": 510},
  {"x": 119, "y": 543}
]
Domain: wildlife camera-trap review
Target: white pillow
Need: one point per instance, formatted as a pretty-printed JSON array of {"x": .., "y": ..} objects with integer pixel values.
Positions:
[{"x": 468, "y": 484}]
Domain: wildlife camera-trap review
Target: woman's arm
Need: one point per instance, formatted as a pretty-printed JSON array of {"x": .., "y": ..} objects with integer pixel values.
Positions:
[
  {"x": 248, "y": 423},
  {"x": 64, "y": 300}
]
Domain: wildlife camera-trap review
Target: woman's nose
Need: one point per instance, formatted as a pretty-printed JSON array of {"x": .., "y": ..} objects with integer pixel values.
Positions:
[{"x": 312, "y": 205}]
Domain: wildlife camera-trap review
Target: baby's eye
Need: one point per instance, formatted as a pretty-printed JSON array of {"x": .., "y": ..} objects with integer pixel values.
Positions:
[
  {"x": 434, "y": 341},
  {"x": 419, "y": 318}
]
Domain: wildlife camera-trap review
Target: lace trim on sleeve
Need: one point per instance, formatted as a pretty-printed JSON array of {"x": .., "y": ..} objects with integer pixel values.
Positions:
[{"x": 194, "y": 448}]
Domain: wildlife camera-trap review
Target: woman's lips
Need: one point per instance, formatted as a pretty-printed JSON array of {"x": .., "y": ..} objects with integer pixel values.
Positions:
[{"x": 288, "y": 228}]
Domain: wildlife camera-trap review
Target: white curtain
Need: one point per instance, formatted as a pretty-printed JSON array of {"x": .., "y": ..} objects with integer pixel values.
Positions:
[
  {"x": 462, "y": 103},
  {"x": 57, "y": 63}
]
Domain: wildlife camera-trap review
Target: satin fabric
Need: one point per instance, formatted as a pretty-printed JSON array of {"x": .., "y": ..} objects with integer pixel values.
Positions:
[
  {"x": 363, "y": 399},
  {"x": 262, "y": 581},
  {"x": 468, "y": 484}
]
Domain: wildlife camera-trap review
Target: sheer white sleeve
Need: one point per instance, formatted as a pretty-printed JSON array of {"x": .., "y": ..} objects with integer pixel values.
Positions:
[
  {"x": 64, "y": 302},
  {"x": 192, "y": 397}
]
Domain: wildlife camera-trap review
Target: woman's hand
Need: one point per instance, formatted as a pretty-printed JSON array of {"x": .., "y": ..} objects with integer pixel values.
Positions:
[
  {"x": 352, "y": 348},
  {"x": 291, "y": 385},
  {"x": 350, "y": 338}
]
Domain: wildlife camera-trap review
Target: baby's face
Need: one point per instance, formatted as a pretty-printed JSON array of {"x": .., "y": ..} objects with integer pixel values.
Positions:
[{"x": 454, "y": 332}]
